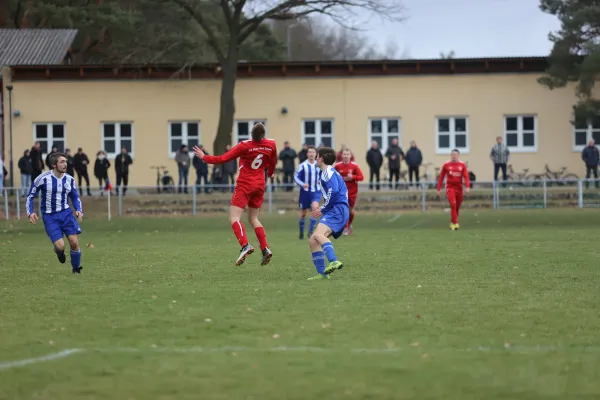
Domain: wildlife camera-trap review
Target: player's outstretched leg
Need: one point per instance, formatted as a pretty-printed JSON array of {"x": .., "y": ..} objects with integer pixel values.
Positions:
[
  {"x": 235, "y": 214},
  {"x": 318, "y": 257},
  {"x": 59, "y": 249},
  {"x": 75, "y": 254},
  {"x": 261, "y": 235}
]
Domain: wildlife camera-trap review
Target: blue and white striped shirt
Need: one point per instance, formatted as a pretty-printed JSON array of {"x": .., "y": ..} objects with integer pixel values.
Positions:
[
  {"x": 55, "y": 193},
  {"x": 308, "y": 173}
]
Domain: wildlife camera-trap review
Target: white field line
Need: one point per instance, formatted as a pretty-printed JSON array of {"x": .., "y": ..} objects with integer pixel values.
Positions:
[{"x": 540, "y": 349}]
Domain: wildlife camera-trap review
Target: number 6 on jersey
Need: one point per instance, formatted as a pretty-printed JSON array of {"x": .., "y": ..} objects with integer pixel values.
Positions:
[{"x": 257, "y": 162}]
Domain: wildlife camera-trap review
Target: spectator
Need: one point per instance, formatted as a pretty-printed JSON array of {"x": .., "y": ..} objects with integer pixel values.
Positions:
[
  {"x": 122, "y": 163},
  {"x": 302, "y": 154},
  {"x": 37, "y": 164},
  {"x": 414, "y": 159},
  {"x": 375, "y": 161},
  {"x": 229, "y": 170},
  {"x": 183, "y": 166},
  {"x": 26, "y": 169},
  {"x": 54, "y": 150},
  {"x": 288, "y": 157},
  {"x": 101, "y": 170},
  {"x": 499, "y": 156},
  {"x": 394, "y": 155},
  {"x": 70, "y": 163},
  {"x": 590, "y": 157},
  {"x": 201, "y": 171},
  {"x": 80, "y": 163}
]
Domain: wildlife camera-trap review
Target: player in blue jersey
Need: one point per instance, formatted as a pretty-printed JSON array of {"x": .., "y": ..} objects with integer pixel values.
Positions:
[
  {"x": 334, "y": 214},
  {"x": 56, "y": 187},
  {"x": 307, "y": 177}
]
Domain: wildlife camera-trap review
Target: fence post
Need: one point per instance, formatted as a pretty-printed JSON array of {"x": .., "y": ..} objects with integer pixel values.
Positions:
[
  {"x": 423, "y": 195},
  {"x": 580, "y": 193},
  {"x": 108, "y": 199},
  {"x": 494, "y": 195},
  {"x": 545, "y": 185},
  {"x": 5, "y": 193},
  {"x": 194, "y": 199},
  {"x": 120, "y": 202},
  {"x": 270, "y": 198},
  {"x": 18, "y": 199}
]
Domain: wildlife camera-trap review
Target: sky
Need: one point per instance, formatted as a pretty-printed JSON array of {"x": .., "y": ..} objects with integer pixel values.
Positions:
[{"x": 472, "y": 28}]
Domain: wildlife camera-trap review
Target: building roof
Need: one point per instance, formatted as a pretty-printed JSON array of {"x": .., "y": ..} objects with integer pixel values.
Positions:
[
  {"x": 34, "y": 46},
  {"x": 314, "y": 69}
]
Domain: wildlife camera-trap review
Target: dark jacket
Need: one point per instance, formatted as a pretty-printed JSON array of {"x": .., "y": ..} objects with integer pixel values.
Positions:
[
  {"x": 414, "y": 158},
  {"x": 122, "y": 163},
  {"x": 374, "y": 158},
  {"x": 287, "y": 157},
  {"x": 101, "y": 168},
  {"x": 230, "y": 168},
  {"x": 78, "y": 160},
  {"x": 25, "y": 165},
  {"x": 303, "y": 155},
  {"x": 394, "y": 151},
  {"x": 590, "y": 156},
  {"x": 70, "y": 165},
  {"x": 37, "y": 164},
  {"x": 200, "y": 166}
]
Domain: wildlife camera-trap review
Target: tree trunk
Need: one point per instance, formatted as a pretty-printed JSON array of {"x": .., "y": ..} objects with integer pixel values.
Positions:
[{"x": 227, "y": 111}]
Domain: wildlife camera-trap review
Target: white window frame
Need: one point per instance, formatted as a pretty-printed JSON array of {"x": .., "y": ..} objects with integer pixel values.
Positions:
[
  {"x": 50, "y": 137},
  {"x": 520, "y": 148},
  {"x": 589, "y": 131},
  {"x": 251, "y": 123},
  {"x": 452, "y": 133},
  {"x": 117, "y": 137},
  {"x": 184, "y": 134},
  {"x": 318, "y": 135},
  {"x": 385, "y": 134}
]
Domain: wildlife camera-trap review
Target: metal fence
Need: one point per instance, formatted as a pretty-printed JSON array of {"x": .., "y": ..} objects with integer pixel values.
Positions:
[{"x": 281, "y": 198}]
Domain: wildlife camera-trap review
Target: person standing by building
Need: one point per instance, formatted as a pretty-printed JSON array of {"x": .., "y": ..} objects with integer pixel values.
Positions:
[
  {"x": 182, "y": 158},
  {"x": 374, "y": 161},
  {"x": 499, "y": 156},
  {"x": 37, "y": 164},
  {"x": 26, "y": 168},
  {"x": 288, "y": 160},
  {"x": 414, "y": 159},
  {"x": 590, "y": 157},
  {"x": 80, "y": 163},
  {"x": 122, "y": 163},
  {"x": 394, "y": 155}
]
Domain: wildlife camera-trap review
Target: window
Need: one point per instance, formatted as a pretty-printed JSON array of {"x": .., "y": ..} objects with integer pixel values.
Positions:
[
  {"x": 187, "y": 133},
  {"x": 317, "y": 132},
  {"x": 452, "y": 133},
  {"x": 243, "y": 129},
  {"x": 383, "y": 131},
  {"x": 115, "y": 136},
  {"x": 49, "y": 135},
  {"x": 584, "y": 131},
  {"x": 520, "y": 133}
]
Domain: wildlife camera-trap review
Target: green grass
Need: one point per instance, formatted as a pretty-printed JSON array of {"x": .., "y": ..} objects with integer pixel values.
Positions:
[{"x": 507, "y": 309}]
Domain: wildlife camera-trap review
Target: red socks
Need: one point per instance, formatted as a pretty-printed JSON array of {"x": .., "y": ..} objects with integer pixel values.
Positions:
[
  {"x": 351, "y": 218},
  {"x": 240, "y": 233},
  {"x": 262, "y": 237}
]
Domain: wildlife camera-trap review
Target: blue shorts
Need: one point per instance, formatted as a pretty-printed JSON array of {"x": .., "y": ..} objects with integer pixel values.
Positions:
[
  {"x": 336, "y": 219},
  {"x": 60, "y": 223},
  {"x": 307, "y": 198}
]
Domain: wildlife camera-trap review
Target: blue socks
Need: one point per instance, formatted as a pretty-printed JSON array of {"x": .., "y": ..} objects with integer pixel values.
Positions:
[
  {"x": 319, "y": 260},
  {"x": 75, "y": 259},
  {"x": 301, "y": 223},
  {"x": 313, "y": 222},
  {"x": 329, "y": 252}
]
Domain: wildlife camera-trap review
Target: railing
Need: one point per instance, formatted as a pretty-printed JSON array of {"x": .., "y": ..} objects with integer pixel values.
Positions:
[{"x": 211, "y": 199}]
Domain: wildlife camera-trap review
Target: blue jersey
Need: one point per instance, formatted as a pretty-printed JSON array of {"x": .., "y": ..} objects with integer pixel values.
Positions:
[
  {"x": 308, "y": 174},
  {"x": 333, "y": 188},
  {"x": 55, "y": 193}
]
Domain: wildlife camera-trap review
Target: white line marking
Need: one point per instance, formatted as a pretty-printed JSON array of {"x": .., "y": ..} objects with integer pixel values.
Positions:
[
  {"x": 394, "y": 218},
  {"x": 306, "y": 349}
]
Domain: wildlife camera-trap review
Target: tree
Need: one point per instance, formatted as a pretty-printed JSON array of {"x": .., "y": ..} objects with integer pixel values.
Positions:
[
  {"x": 243, "y": 18},
  {"x": 575, "y": 55},
  {"x": 447, "y": 56}
]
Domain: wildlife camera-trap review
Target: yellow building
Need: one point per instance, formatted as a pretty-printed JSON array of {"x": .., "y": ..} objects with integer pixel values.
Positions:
[{"x": 440, "y": 104}]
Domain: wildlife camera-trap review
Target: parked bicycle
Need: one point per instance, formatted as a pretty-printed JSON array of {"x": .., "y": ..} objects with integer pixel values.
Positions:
[
  {"x": 164, "y": 182},
  {"x": 561, "y": 177}
]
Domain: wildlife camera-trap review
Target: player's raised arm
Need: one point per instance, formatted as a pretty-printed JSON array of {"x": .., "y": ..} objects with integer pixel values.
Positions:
[
  {"x": 273, "y": 163},
  {"x": 232, "y": 154},
  {"x": 443, "y": 173}
]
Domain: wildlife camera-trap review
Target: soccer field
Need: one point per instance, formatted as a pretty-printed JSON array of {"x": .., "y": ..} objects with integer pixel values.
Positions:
[{"x": 505, "y": 308}]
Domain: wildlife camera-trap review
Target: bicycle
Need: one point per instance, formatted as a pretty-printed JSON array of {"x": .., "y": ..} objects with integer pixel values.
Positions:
[
  {"x": 166, "y": 181},
  {"x": 561, "y": 177},
  {"x": 524, "y": 177}
]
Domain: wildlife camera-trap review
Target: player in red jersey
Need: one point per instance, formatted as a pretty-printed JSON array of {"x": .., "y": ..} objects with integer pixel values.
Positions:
[
  {"x": 455, "y": 172},
  {"x": 256, "y": 155},
  {"x": 350, "y": 171}
]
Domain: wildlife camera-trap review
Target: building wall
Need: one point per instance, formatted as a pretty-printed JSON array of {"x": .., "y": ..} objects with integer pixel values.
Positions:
[{"x": 416, "y": 100}]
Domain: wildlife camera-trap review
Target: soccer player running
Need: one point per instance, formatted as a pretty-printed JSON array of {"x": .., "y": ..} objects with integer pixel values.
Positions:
[
  {"x": 334, "y": 215},
  {"x": 350, "y": 171},
  {"x": 56, "y": 187},
  {"x": 256, "y": 155},
  {"x": 307, "y": 177},
  {"x": 455, "y": 171}
]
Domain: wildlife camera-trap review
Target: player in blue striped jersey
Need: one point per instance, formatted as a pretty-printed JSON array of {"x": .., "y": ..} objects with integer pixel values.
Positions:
[
  {"x": 307, "y": 177},
  {"x": 56, "y": 187}
]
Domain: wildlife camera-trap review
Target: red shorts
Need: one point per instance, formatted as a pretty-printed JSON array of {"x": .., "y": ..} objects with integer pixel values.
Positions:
[
  {"x": 454, "y": 195},
  {"x": 248, "y": 196},
  {"x": 352, "y": 200}
]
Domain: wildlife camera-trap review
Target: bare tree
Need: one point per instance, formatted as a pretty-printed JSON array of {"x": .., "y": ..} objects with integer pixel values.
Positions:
[
  {"x": 447, "y": 56},
  {"x": 243, "y": 17}
]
